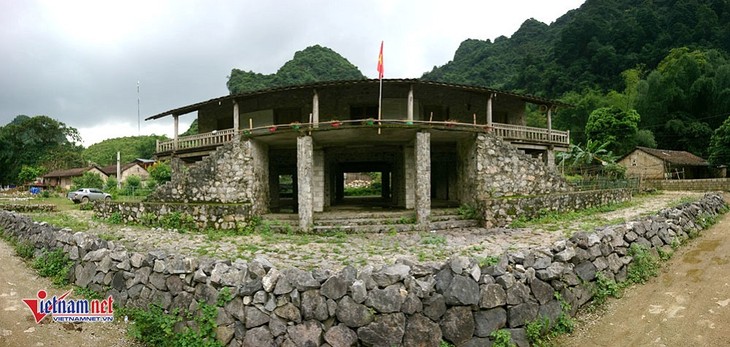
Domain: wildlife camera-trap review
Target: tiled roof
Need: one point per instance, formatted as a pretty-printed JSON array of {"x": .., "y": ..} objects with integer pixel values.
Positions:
[
  {"x": 112, "y": 169},
  {"x": 675, "y": 157},
  {"x": 70, "y": 172}
]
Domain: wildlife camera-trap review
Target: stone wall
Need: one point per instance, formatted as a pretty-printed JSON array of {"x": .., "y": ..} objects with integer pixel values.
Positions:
[
  {"x": 502, "y": 211},
  {"x": 409, "y": 304},
  {"x": 228, "y": 216},
  {"x": 235, "y": 173},
  {"x": 703, "y": 185},
  {"x": 491, "y": 168},
  {"x": 24, "y": 208}
]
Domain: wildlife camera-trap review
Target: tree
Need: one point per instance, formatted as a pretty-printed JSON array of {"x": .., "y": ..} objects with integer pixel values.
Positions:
[
  {"x": 615, "y": 127},
  {"x": 29, "y": 174},
  {"x": 160, "y": 172},
  {"x": 720, "y": 145},
  {"x": 36, "y": 141},
  {"x": 131, "y": 147},
  {"x": 88, "y": 180}
]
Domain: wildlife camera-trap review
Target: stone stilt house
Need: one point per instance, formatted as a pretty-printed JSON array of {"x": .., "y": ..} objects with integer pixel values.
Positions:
[{"x": 434, "y": 144}]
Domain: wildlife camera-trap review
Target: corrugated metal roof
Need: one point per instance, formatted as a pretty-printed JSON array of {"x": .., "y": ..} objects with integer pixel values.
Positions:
[
  {"x": 675, "y": 157},
  {"x": 478, "y": 89}
]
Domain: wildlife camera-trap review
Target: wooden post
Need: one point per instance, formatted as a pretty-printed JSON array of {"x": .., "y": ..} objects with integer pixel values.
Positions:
[{"x": 315, "y": 110}]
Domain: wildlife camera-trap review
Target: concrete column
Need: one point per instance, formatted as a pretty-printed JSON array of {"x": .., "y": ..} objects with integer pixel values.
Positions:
[
  {"x": 175, "y": 136},
  {"x": 315, "y": 109},
  {"x": 423, "y": 179},
  {"x": 549, "y": 123},
  {"x": 489, "y": 109},
  {"x": 236, "y": 126},
  {"x": 305, "y": 175},
  {"x": 410, "y": 104},
  {"x": 318, "y": 180}
]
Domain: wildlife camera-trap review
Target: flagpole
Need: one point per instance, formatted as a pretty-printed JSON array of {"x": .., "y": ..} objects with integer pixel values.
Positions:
[{"x": 380, "y": 104}]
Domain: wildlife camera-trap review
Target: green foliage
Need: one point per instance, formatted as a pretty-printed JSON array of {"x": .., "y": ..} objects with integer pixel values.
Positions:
[
  {"x": 604, "y": 288},
  {"x": 161, "y": 172},
  {"x": 433, "y": 240},
  {"x": 115, "y": 218},
  {"x": 361, "y": 191},
  {"x": 502, "y": 338},
  {"x": 38, "y": 141},
  {"x": 468, "y": 211},
  {"x": 313, "y": 64},
  {"x": 54, "y": 264},
  {"x": 148, "y": 219},
  {"x": 61, "y": 220},
  {"x": 88, "y": 180},
  {"x": 192, "y": 130},
  {"x": 643, "y": 266},
  {"x": 111, "y": 185},
  {"x": 720, "y": 145},
  {"x": 104, "y": 153},
  {"x": 445, "y": 344},
  {"x": 29, "y": 173},
  {"x": 87, "y": 293},
  {"x": 23, "y": 249},
  {"x": 224, "y": 297},
  {"x": 157, "y": 328},
  {"x": 615, "y": 127},
  {"x": 489, "y": 261},
  {"x": 132, "y": 185},
  {"x": 179, "y": 221},
  {"x": 88, "y": 206}
]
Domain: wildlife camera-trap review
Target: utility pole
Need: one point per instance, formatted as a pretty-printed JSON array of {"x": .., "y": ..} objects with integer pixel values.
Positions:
[{"x": 139, "y": 122}]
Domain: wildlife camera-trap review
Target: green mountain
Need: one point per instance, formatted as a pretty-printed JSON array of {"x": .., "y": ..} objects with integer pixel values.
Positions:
[
  {"x": 313, "y": 64},
  {"x": 104, "y": 153},
  {"x": 589, "y": 47}
]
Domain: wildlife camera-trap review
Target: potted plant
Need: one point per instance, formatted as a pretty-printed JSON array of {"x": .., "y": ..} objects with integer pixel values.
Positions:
[
  {"x": 450, "y": 123},
  {"x": 369, "y": 121},
  {"x": 335, "y": 123},
  {"x": 272, "y": 128},
  {"x": 295, "y": 125}
]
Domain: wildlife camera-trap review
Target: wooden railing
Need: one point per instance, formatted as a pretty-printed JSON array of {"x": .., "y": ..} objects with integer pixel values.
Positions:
[
  {"x": 505, "y": 131},
  {"x": 530, "y": 134},
  {"x": 213, "y": 138}
]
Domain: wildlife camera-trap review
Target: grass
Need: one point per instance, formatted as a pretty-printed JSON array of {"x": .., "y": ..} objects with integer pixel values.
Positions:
[
  {"x": 60, "y": 220},
  {"x": 586, "y": 218}
]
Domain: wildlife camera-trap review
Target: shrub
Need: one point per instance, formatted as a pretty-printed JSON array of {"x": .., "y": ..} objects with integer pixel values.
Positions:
[
  {"x": 54, "y": 264},
  {"x": 643, "y": 266}
]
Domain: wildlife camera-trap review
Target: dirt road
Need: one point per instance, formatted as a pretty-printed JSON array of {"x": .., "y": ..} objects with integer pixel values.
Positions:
[
  {"x": 17, "y": 326},
  {"x": 687, "y": 305}
]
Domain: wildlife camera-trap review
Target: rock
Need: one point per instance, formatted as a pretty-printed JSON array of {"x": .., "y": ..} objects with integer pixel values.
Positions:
[
  {"x": 224, "y": 334},
  {"x": 269, "y": 281},
  {"x": 159, "y": 266},
  {"x": 519, "y": 337},
  {"x": 138, "y": 260},
  {"x": 359, "y": 292},
  {"x": 84, "y": 274},
  {"x": 289, "y": 312},
  {"x": 390, "y": 274},
  {"x": 255, "y": 318},
  {"x": 462, "y": 291},
  {"x": 307, "y": 334},
  {"x": 586, "y": 271},
  {"x": 314, "y": 306},
  {"x": 174, "y": 284},
  {"x": 551, "y": 311},
  {"x": 518, "y": 294},
  {"x": 443, "y": 279},
  {"x": 387, "y": 300},
  {"x": 542, "y": 291},
  {"x": 421, "y": 331},
  {"x": 277, "y": 326},
  {"x": 492, "y": 295},
  {"x": 96, "y": 255},
  {"x": 258, "y": 337},
  {"x": 386, "y": 330},
  {"x": 157, "y": 280},
  {"x": 488, "y": 321},
  {"x": 141, "y": 275},
  {"x": 352, "y": 314},
  {"x": 434, "y": 307},
  {"x": 412, "y": 304},
  {"x": 565, "y": 255},
  {"x": 478, "y": 342},
  {"x": 522, "y": 314},
  {"x": 334, "y": 287},
  {"x": 458, "y": 264},
  {"x": 235, "y": 308},
  {"x": 457, "y": 324},
  {"x": 340, "y": 336},
  {"x": 506, "y": 281}
]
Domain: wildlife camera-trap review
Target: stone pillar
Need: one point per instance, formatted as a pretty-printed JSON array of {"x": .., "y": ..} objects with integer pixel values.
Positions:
[
  {"x": 175, "y": 136},
  {"x": 489, "y": 110},
  {"x": 236, "y": 125},
  {"x": 410, "y": 104},
  {"x": 315, "y": 109},
  {"x": 318, "y": 180},
  {"x": 409, "y": 176},
  {"x": 550, "y": 157},
  {"x": 305, "y": 175},
  {"x": 423, "y": 179}
]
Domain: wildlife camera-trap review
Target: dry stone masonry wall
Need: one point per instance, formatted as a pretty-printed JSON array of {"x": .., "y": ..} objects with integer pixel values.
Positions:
[
  {"x": 214, "y": 216},
  {"x": 702, "y": 185},
  {"x": 408, "y": 304},
  {"x": 502, "y": 211}
]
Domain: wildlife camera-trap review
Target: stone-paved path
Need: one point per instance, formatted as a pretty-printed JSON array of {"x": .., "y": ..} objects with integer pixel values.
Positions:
[
  {"x": 17, "y": 326},
  {"x": 687, "y": 305}
]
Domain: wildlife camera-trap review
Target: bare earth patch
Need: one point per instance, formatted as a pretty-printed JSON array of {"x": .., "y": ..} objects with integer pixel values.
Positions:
[{"x": 336, "y": 250}]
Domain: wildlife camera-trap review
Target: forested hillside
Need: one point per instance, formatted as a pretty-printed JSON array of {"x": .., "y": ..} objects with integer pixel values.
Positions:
[
  {"x": 313, "y": 64},
  {"x": 104, "y": 153}
]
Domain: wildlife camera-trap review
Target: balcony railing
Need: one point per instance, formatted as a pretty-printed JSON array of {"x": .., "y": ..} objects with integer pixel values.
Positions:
[
  {"x": 506, "y": 131},
  {"x": 530, "y": 134}
]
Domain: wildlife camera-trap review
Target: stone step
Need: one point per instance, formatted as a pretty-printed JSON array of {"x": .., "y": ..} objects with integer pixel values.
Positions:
[
  {"x": 368, "y": 228},
  {"x": 454, "y": 224}
]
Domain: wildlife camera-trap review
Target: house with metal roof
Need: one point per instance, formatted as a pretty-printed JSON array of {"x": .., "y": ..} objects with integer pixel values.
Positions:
[{"x": 656, "y": 164}]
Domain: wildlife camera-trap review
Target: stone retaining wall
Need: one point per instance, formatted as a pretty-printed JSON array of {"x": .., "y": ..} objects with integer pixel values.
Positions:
[
  {"x": 409, "y": 304},
  {"x": 215, "y": 216},
  {"x": 24, "y": 208},
  {"x": 502, "y": 211},
  {"x": 703, "y": 185}
]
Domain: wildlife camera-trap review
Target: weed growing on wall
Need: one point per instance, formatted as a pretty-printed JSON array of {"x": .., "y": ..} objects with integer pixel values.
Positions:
[
  {"x": 23, "y": 249},
  {"x": 156, "y": 327},
  {"x": 502, "y": 338},
  {"x": 643, "y": 266},
  {"x": 115, "y": 218},
  {"x": 539, "y": 332},
  {"x": 179, "y": 221},
  {"x": 604, "y": 288},
  {"x": 54, "y": 264}
]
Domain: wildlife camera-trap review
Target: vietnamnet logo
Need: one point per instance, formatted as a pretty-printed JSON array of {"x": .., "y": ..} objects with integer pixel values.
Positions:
[{"x": 69, "y": 310}]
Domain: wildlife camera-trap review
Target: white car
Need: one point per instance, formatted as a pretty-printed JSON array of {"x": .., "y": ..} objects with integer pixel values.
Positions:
[{"x": 88, "y": 194}]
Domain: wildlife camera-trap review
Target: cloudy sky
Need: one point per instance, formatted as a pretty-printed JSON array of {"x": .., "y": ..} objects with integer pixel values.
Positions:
[{"x": 80, "y": 61}]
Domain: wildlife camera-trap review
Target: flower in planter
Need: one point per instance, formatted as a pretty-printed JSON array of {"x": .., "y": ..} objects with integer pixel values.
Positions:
[
  {"x": 272, "y": 128},
  {"x": 247, "y": 132},
  {"x": 295, "y": 125},
  {"x": 450, "y": 123},
  {"x": 335, "y": 123},
  {"x": 369, "y": 121}
]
